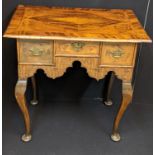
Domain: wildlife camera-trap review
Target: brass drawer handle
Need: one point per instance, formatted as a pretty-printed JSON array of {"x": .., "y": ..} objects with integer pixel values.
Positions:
[
  {"x": 116, "y": 54},
  {"x": 36, "y": 51},
  {"x": 77, "y": 45}
]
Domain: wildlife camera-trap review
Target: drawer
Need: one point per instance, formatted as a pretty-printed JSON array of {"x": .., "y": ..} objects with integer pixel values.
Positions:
[
  {"x": 77, "y": 48},
  {"x": 35, "y": 52},
  {"x": 118, "y": 54}
]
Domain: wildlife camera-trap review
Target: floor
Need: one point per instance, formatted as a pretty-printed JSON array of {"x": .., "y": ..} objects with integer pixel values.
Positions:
[{"x": 71, "y": 120}]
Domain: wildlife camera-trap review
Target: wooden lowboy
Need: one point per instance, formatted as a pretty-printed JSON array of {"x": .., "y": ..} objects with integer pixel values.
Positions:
[{"x": 52, "y": 38}]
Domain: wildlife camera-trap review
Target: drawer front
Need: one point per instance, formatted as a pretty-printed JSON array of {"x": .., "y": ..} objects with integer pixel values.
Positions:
[
  {"x": 118, "y": 54},
  {"x": 35, "y": 52},
  {"x": 77, "y": 48}
]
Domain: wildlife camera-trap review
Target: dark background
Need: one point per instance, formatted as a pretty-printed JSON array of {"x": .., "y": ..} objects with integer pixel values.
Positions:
[{"x": 74, "y": 87}]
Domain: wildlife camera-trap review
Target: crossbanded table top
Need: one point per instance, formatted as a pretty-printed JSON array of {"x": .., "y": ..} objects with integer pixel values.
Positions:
[{"x": 88, "y": 24}]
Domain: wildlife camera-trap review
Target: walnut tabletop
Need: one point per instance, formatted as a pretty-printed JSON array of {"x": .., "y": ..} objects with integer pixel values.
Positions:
[
  {"x": 104, "y": 41},
  {"x": 76, "y": 24}
]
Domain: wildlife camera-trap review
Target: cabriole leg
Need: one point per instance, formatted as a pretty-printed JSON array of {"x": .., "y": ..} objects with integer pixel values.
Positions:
[
  {"x": 20, "y": 97},
  {"x": 127, "y": 96},
  {"x": 108, "y": 100},
  {"x": 34, "y": 100}
]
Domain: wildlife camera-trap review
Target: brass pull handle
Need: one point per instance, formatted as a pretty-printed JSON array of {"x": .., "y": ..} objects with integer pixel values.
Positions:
[
  {"x": 36, "y": 51},
  {"x": 77, "y": 45},
  {"x": 116, "y": 54}
]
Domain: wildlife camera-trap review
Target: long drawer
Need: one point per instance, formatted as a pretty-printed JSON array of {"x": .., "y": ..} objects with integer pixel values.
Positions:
[{"x": 77, "y": 48}]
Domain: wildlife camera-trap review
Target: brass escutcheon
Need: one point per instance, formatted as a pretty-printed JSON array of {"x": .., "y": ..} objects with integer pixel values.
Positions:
[
  {"x": 77, "y": 45},
  {"x": 36, "y": 51},
  {"x": 116, "y": 54}
]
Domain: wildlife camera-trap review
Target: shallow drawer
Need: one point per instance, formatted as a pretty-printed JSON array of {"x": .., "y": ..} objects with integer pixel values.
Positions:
[
  {"x": 118, "y": 54},
  {"x": 35, "y": 52},
  {"x": 76, "y": 48}
]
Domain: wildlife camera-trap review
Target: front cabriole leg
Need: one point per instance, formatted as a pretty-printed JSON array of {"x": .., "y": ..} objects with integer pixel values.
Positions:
[
  {"x": 20, "y": 97},
  {"x": 127, "y": 97}
]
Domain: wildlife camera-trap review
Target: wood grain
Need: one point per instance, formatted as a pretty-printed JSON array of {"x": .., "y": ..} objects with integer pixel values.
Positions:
[
  {"x": 66, "y": 48},
  {"x": 118, "y": 54},
  {"x": 127, "y": 97},
  {"x": 108, "y": 25},
  {"x": 97, "y": 67},
  {"x": 20, "y": 97},
  {"x": 35, "y": 52},
  {"x": 125, "y": 74}
]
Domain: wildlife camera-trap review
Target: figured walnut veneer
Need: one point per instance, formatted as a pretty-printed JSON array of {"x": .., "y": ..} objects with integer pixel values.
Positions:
[
  {"x": 76, "y": 24},
  {"x": 52, "y": 38},
  {"x": 35, "y": 52},
  {"x": 118, "y": 54},
  {"x": 77, "y": 48},
  {"x": 55, "y": 63}
]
